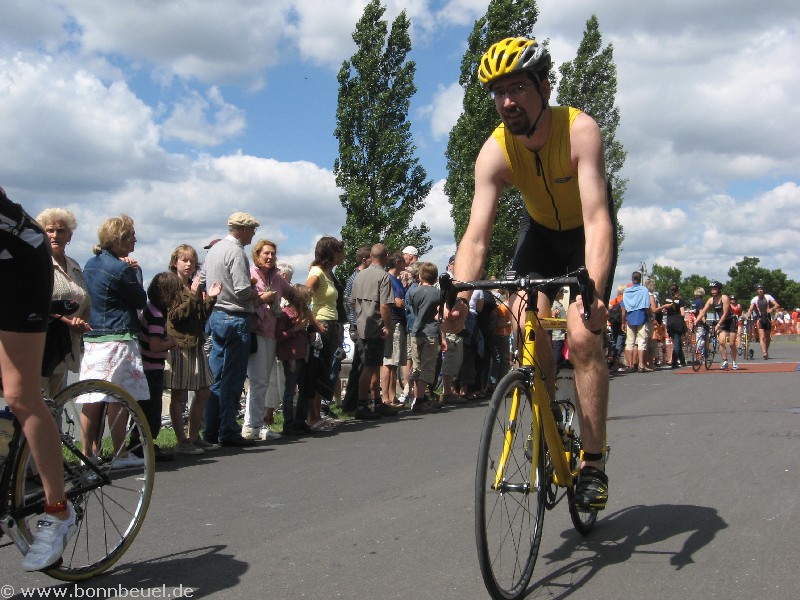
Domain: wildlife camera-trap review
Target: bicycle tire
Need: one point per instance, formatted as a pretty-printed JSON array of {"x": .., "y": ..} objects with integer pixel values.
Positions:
[
  {"x": 109, "y": 515},
  {"x": 697, "y": 356},
  {"x": 711, "y": 351},
  {"x": 582, "y": 520},
  {"x": 508, "y": 522}
]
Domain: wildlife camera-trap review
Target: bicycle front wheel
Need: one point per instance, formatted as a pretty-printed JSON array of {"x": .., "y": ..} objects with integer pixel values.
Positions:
[
  {"x": 110, "y": 496},
  {"x": 710, "y": 352},
  {"x": 698, "y": 355},
  {"x": 510, "y": 489}
]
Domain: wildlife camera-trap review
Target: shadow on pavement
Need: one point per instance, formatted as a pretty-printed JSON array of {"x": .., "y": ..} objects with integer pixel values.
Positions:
[
  {"x": 205, "y": 571},
  {"x": 621, "y": 535}
]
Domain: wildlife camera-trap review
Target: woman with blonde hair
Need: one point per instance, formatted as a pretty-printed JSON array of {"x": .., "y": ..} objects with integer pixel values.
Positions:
[
  {"x": 260, "y": 366},
  {"x": 68, "y": 284},
  {"x": 111, "y": 350}
]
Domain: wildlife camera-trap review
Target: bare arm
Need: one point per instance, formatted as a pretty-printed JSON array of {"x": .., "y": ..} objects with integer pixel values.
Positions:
[
  {"x": 491, "y": 175},
  {"x": 587, "y": 156}
]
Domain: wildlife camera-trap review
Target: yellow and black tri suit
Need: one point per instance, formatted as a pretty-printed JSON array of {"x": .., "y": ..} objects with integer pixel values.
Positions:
[{"x": 552, "y": 240}]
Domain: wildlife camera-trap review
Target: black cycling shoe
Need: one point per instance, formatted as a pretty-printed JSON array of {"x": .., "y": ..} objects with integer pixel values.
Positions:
[{"x": 591, "y": 490}]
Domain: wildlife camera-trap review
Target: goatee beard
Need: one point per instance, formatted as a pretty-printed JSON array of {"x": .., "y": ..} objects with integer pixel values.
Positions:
[{"x": 518, "y": 126}]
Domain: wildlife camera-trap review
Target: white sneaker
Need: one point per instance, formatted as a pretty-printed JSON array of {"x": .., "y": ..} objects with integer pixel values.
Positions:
[
  {"x": 251, "y": 433},
  {"x": 724, "y": 366},
  {"x": 268, "y": 435},
  {"x": 126, "y": 462},
  {"x": 735, "y": 366},
  {"x": 49, "y": 540}
]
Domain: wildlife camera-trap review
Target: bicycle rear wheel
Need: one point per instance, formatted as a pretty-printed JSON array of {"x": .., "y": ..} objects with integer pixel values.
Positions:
[
  {"x": 509, "y": 508},
  {"x": 582, "y": 520},
  {"x": 110, "y": 503}
]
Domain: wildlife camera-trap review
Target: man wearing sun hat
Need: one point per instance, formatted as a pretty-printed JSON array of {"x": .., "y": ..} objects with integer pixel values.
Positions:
[{"x": 229, "y": 325}]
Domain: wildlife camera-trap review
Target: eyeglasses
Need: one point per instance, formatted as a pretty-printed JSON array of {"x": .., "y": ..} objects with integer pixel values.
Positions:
[{"x": 512, "y": 93}]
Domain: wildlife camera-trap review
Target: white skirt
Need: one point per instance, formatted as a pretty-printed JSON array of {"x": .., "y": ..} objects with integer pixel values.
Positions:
[{"x": 119, "y": 362}]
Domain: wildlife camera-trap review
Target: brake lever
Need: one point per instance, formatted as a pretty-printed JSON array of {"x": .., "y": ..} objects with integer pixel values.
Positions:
[
  {"x": 586, "y": 288},
  {"x": 447, "y": 295}
]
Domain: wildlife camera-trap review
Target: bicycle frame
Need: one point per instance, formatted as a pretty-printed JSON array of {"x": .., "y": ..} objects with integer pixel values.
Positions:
[{"x": 559, "y": 456}]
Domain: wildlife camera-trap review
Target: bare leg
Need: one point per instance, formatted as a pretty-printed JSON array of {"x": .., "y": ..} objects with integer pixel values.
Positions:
[
  {"x": 177, "y": 400},
  {"x": 21, "y": 363},
  {"x": 196, "y": 412},
  {"x": 591, "y": 384}
]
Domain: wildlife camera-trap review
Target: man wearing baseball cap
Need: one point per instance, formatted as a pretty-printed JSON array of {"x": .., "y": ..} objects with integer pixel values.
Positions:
[{"x": 229, "y": 325}]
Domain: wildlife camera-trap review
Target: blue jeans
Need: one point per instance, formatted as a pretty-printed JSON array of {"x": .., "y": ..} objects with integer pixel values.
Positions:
[{"x": 230, "y": 351}]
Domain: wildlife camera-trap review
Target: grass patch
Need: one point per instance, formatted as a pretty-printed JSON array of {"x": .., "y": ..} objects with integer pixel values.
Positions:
[{"x": 166, "y": 439}]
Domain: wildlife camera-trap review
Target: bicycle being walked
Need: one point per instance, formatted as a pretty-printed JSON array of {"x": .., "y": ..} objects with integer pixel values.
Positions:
[
  {"x": 761, "y": 306},
  {"x": 718, "y": 315}
]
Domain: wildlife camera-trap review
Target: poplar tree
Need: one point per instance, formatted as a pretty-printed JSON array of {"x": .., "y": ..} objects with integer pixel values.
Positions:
[
  {"x": 383, "y": 184},
  {"x": 590, "y": 83},
  {"x": 503, "y": 18}
]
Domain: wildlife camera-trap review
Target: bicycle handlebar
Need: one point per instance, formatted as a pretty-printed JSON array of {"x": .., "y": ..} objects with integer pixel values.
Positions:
[{"x": 528, "y": 284}]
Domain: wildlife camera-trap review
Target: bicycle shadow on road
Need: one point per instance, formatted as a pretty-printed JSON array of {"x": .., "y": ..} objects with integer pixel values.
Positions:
[
  {"x": 624, "y": 533},
  {"x": 205, "y": 571}
]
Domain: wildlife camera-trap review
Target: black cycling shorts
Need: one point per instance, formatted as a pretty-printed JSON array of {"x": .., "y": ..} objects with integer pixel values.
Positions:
[
  {"x": 27, "y": 288},
  {"x": 543, "y": 253},
  {"x": 731, "y": 325}
]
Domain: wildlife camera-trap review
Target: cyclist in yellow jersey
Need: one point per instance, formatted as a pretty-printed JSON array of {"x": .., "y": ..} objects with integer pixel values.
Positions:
[{"x": 554, "y": 157}]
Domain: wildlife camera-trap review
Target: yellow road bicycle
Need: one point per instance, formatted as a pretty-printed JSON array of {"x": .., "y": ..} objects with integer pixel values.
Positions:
[
  {"x": 529, "y": 453},
  {"x": 110, "y": 503}
]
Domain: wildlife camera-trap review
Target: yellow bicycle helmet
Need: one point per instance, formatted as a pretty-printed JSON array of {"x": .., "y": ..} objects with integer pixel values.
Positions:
[{"x": 513, "y": 55}]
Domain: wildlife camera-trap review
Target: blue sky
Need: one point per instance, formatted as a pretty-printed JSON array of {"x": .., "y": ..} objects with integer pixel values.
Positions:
[{"x": 179, "y": 113}]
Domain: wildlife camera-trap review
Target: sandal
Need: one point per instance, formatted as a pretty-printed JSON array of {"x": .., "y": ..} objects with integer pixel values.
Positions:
[
  {"x": 321, "y": 425},
  {"x": 591, "y": 490}
]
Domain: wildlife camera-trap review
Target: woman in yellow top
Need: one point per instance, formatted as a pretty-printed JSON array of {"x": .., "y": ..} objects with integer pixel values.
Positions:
[{"x": 328, "y": 253}]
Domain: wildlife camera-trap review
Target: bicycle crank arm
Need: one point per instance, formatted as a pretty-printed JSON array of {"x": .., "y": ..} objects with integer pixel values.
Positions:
[{"x": 9, "y": 526}]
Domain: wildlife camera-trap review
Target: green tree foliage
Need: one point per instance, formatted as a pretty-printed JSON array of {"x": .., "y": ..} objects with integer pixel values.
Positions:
[
  {"x": 663, "y": 277},
  {"x": 503, "y": 18},
  {"x": 590, "y": 83},
  {"x": 383, "y": 183},
  {"x": 691, "y": 283},
  {"x": 747, "y": 273}
]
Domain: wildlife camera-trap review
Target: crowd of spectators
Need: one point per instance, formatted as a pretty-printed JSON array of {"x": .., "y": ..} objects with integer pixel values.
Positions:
[
  {"x": 645, "y": 333},
  {"x": 236, "y": 333}
]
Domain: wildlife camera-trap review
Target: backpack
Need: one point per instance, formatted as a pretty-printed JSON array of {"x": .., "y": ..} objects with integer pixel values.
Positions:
[{"x": 615, "y": 315}]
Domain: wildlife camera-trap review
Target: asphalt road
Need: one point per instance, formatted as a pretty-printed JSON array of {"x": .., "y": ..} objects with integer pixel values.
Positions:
[{"x": 704, "y": 504}]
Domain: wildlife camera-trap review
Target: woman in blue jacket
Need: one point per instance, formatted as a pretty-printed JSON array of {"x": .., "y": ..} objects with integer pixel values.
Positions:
[{"x": 111, "y": 349}]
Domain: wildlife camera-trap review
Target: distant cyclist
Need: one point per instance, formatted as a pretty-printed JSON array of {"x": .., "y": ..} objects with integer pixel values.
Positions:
[
  {"x": 717, "y": 314},
  {"x": 26, "y": 272},
  {"x": 554, "y": 156},
  {"x": 760, "y": 307}
]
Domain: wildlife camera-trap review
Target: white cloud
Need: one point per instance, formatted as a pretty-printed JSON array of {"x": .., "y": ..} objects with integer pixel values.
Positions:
[
  {"x": 90, "y": 91},
  {"x": 204, "y": 121},
  {"x": 60, "y": 123},
  {"x": 444, "y": 110}
]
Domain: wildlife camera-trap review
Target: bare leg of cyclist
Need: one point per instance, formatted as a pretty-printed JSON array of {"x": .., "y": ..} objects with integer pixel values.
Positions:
[
  {"x": 21, "y": 363},
  {"x": 591, "y": 384}
]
